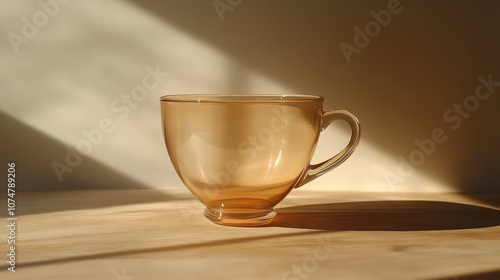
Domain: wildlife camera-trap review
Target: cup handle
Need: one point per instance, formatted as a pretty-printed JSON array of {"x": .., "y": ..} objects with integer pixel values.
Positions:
[{"x": 316, "y": 170}]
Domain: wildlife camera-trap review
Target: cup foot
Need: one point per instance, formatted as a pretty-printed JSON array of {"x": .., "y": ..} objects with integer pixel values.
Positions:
[{"x": 240, "y": 218}]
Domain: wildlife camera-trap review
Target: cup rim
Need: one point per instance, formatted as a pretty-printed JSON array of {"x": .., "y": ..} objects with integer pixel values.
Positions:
[{"x": 241, "y": 98}]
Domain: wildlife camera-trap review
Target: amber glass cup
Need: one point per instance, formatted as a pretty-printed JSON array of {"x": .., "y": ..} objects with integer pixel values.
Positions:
[{"x": 240, "y": 155}]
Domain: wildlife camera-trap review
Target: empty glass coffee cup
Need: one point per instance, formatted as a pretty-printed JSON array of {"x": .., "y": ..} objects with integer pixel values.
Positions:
[{"x": 240, "y": 155}]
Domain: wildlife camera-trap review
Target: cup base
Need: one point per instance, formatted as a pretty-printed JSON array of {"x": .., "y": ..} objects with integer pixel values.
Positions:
[{"x": 238, "y": 218}]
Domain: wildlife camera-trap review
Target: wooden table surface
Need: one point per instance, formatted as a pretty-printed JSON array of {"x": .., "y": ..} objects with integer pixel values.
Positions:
[{"x": 151, "y": 234}]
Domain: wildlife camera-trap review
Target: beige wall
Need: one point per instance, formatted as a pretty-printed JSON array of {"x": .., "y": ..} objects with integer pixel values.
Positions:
[{"x": 69, "y": 73}]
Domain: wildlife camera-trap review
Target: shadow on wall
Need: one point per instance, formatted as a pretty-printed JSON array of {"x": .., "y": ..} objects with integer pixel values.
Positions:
[
  {"x": 413, "y": 76},
  {"x": 35, "y": 153}
]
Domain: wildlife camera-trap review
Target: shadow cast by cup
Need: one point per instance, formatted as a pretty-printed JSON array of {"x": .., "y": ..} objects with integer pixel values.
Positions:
[
  {"x": 485, "y": 275},
  {"x": 386, "y": 216}
]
